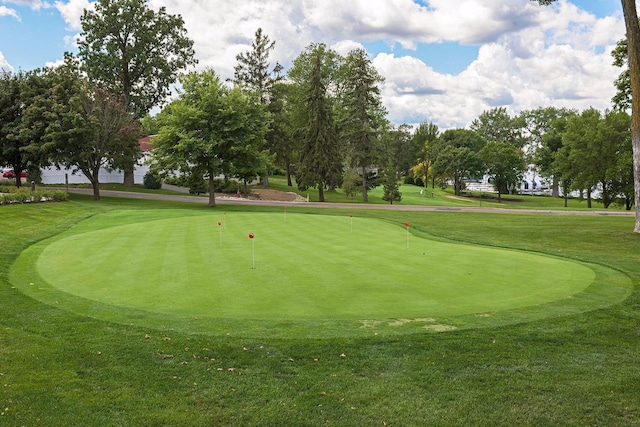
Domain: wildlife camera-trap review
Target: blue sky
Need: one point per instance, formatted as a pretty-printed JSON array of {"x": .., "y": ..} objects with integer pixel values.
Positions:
[{"x": 444, "y": 61}]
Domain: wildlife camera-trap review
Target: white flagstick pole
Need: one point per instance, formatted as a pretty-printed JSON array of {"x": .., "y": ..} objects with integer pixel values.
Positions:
[
  {"x": 406, "y": 224},
  {"x": 253, "y": 251}
]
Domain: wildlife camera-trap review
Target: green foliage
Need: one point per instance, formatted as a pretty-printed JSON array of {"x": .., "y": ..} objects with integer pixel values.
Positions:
[
  {"x": 497, "y": 125},
  {"x": 391, "y": 187},
  {"x": 622, "y": 99},
  {"x": 253, "y": 71},
  {"x": 23, "y": 120},
  {"x": 211, "y": 130},
  {"x": 320, "y": 163},
  {"x": 10, "y": 195},
  {"x": 504, "y": 163},
  {"x": 152, "y": 181},
  {"x": 425, "y": 139},
  {"x": 597, "y": 152},
  {"x": 90, "y": 128},
  {"x": 364, "y": 116},
  {"x": 457, "y": 156},
  {"x": 133, "y": 50}
]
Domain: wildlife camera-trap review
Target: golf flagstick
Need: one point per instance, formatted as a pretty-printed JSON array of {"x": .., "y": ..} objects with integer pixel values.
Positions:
[
  {"x": 406, "y": 224},
  {"x": 253, "y": 251}
]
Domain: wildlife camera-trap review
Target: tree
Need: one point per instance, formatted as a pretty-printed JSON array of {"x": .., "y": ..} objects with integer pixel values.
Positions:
[
  {"x": 400, "y": 148},
  {"x": 545, "y": 154},
  {"x": 633, "y": 54},
  {"x": 538, "y": 124},
  {"x": 364, "y": 113},
  {"x": 283, "y": 144},
  {"x": 254, "y": 73},
  {"x": 131, "y": 50},
  {"x": 320, "y": 164},
  {"x": 457, "y": 156},
  {"x": 11, "y": 111},
  {"x": 92, "y": 130},
  {"x": 595, "y": 145},
  {"x": 391, "y": 187},
  {"x": 425, "y": 139},
  {"x": 210, "y": 130},
  {"x": 503, "y": 163},
  {"x": 497, "y": 125},
  {"x": 622, "y": 99}
]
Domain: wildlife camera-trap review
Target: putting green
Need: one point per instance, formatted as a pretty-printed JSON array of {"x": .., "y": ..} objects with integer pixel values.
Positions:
[{"x": 299, "y": 271}]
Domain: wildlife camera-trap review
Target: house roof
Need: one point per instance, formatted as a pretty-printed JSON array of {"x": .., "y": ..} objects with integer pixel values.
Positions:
[{"x": 145, "y": 143}]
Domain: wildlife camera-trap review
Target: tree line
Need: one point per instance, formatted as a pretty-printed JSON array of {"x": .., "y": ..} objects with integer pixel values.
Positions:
[{"x": 321, "y": 122}]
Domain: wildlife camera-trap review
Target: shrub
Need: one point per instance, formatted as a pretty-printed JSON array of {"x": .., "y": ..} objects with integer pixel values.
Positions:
[
  {"x": 9, "y": 195},
  {"x": 152, "y": 181}
]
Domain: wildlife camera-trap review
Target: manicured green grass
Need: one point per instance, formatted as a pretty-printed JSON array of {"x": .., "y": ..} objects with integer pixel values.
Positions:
[
  {"x": 445, "y": 197},
  {"x": 61, "y": 368},
  {"x": 330, "y": 274}
]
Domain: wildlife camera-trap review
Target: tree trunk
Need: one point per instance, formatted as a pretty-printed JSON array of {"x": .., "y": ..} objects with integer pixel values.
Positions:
[
  {"x": 289, "y": 183},
  {"x": 633, "y": 51},
  {"x": 265, "y": 179},
  {"x": 212, "y": 190},
  {"x": 589, "y": 198},
  {"x": 321, "y": 192},
  {"x": 365, "y": 194},
  {"x": 129, "y": 179},
  {"x": 95, "y": 185},
  {"x": 555, "y": 192}
]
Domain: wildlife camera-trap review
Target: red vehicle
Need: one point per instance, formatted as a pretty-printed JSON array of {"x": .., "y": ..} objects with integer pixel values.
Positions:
[{"x": 10, "y": 175}]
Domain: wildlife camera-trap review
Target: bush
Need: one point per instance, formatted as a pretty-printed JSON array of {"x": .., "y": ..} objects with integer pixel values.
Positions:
[
  {"x": 152, "y": 181},
  {"x": 10, "y": 195}
]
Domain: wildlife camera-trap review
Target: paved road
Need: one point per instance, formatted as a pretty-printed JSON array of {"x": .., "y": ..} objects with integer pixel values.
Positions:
[{"x": 352, "y": 206}]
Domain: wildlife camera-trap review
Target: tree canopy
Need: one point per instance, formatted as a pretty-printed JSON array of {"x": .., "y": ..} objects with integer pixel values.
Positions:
[{"x": 210, "y": 130}]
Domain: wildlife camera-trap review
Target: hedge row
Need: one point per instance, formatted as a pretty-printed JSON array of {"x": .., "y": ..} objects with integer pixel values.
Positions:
[{"x": 10, "y": 195}]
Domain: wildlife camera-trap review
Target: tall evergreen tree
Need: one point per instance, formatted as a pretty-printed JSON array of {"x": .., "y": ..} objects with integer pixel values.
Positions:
[
  {"x": 253, "y": 72},
  {"x": 320, "y": 164},
  {"x": 364, "y": 113}
]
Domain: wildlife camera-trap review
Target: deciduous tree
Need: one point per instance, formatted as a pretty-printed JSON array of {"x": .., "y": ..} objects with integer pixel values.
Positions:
[
  {"x": 91, "y": 128},
  {"x": 457, "y": 156},
  {"x": 633, "y": 54},
  {"x": 504, "y": 163},
  {"x": 210, "y": 130},
  {"x": 132, "y": 50}
]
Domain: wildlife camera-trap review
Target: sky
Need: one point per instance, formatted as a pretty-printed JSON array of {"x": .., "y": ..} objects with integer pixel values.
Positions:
[{"x": 444, "y": 61}]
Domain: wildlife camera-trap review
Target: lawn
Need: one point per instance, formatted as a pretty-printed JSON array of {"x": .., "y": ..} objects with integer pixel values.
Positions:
[
  {"x": 329, "y": 274},
  {"x": 61, "y": 366}
]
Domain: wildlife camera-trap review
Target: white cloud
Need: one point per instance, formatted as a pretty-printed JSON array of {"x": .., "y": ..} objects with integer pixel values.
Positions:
[
  {"x": 4, "y": 64},
  {"x": 71, "y": 11},
  {"x": 33, "y": 4},
  {"x": 5, "y": 11},
  {"x": 529, "y": 55}
]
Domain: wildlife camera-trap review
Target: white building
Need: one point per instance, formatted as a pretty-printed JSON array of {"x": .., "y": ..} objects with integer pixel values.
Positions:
[{"x": 53, "y": 175}]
